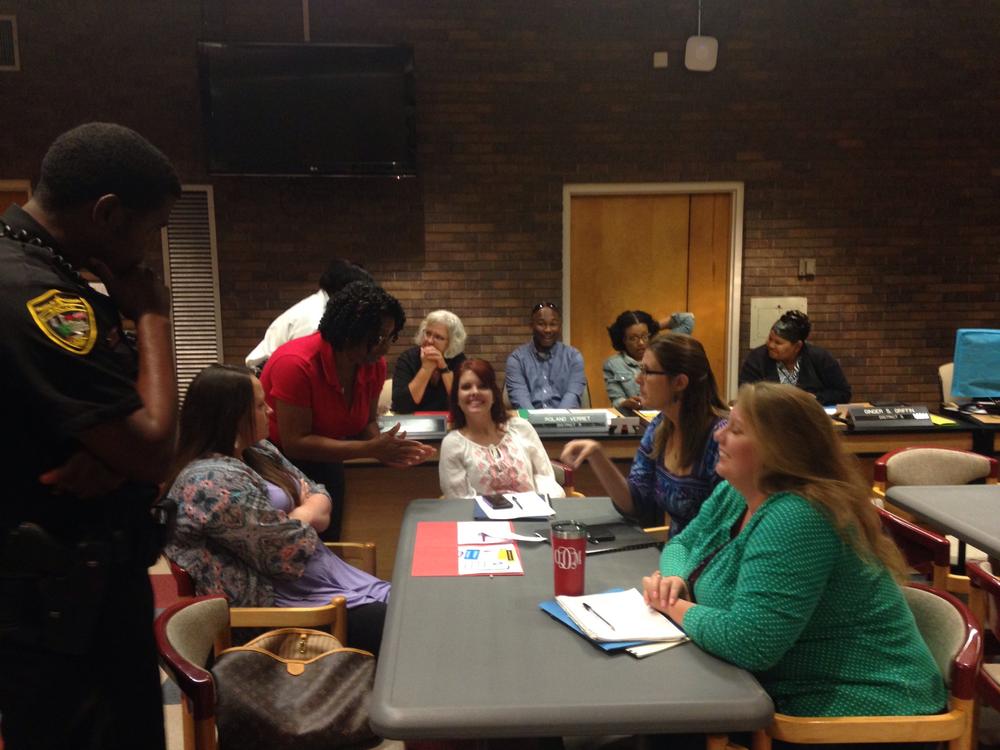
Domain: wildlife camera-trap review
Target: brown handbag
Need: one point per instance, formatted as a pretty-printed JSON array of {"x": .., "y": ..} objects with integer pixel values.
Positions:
[{"x": 294, "y": 687}]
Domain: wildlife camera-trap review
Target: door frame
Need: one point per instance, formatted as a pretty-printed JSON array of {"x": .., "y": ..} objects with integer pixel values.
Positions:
[{"x": 735, "y": 190}]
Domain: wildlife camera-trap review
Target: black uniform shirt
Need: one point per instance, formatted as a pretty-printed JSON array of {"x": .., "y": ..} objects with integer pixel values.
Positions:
[{"x": 65, "y": 367}]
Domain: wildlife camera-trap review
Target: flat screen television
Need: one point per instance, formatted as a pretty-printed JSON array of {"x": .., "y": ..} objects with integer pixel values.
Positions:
[
  {"x": 308, "y": 109},
  {"x": 977, "y": 363}
]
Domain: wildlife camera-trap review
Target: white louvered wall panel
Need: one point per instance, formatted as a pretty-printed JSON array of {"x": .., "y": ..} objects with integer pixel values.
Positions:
[{"x": 192, "y": 272}]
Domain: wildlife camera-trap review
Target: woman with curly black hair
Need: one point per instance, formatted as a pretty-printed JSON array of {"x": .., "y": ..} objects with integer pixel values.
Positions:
[
  {"x": 630, "y": 333},
  {"x": 787, "y": 358},
  {"x": 324, "y": 388}
]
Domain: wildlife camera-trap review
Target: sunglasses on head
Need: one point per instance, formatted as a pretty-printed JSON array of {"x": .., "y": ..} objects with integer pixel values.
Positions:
[{"x": 540, "y": 305}]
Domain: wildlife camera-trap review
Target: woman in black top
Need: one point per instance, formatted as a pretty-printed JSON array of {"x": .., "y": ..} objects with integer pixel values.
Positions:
[
  {"x": 424, "y": 373},
  {"x": 788, "y": 358}
]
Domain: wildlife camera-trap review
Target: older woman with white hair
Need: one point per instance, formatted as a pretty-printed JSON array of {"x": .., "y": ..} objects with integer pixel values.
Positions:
[{"x": 424, "y": 373}]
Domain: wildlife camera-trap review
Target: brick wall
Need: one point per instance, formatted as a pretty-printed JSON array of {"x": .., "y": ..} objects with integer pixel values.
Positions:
[{"x": 865, "y": 133}]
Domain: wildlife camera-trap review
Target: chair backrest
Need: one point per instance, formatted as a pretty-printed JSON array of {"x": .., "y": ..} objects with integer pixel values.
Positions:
[
  {"x": 190, "y": 627},
  {"x": 585, "y": 396},
  {"x": 915, "y": 466},
  {"x": 951, "y": 634},
  {"x": 385, "y": 397},
  {"x": 945, "y": 373},
  {"x": 185, "y": 634}
]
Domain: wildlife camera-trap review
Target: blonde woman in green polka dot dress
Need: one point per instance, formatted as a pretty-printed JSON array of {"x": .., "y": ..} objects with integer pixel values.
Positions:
[{"x": 786, "y": 573}]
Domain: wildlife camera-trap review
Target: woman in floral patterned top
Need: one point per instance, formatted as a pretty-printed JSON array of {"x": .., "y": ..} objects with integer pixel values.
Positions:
[
  {"x": 674, "y": 468},
  {"x": 489, "y": 451},
  {"x": 247, "y": 519}
]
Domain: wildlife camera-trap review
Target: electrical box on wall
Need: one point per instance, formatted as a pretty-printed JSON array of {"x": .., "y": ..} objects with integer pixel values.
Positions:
[{"x": 765, "y": 311}]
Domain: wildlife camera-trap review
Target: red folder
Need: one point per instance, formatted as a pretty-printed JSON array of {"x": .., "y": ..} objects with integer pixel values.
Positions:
[{"x": 435, "y": 550}]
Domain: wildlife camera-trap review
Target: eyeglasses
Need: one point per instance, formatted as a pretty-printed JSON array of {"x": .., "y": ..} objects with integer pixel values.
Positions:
[
  {"x": 642, "y": 337},
  {"x": 645, "y": 371},
  {"x": 540, "y": 305},
  {"x": 392, "y": 338}
]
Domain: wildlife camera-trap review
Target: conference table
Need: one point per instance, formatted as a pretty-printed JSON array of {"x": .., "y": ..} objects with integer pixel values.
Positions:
[
  {"x": 970, "y": 512},
  {"x": 474, "y": 657},
  {"x": 377, "y": 494}
]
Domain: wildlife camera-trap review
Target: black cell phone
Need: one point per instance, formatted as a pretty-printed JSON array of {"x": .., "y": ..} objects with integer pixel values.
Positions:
[
  {"x": 599, "y": 533},
  {"x": 498, "y": 502}
]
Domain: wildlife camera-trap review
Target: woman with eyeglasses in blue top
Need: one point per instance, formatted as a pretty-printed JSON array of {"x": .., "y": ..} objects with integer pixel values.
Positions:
[{"x": 674, "y": 468}]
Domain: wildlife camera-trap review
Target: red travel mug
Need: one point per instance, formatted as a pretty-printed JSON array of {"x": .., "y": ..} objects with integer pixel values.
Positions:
[{"x": 569, "y": 547}]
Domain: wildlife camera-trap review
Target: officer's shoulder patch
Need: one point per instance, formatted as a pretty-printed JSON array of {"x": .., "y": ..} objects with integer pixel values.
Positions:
[{"x": 66, "y": 319}]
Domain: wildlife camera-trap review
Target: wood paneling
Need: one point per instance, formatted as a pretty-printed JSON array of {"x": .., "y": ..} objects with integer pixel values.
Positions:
[
  {"x": 627, "y": 253},
  {"x": 708, "y": 276}
]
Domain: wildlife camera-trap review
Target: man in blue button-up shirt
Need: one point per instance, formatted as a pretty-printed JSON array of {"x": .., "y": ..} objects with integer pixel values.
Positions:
[{"x": 545, "y": 373}]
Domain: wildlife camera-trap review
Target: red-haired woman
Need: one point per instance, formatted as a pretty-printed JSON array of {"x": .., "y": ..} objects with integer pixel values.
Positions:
[{"x": 489, "y": 451}]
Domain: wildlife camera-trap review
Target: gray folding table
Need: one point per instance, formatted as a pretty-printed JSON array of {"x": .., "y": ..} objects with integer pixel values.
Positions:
[
  {"x": 475, "y": 657},
  {"x": 970, "y": 512}
]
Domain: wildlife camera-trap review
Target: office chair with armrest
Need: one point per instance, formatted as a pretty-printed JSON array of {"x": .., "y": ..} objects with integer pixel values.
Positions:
[
  {"x": 953, "y": 637},
  {"x": 945, "y": 375},
  {"x": 928, "y": 466},
  {"x": 926, "y": 551},
  {"x": 334, "y": 614},
  {"x": 924, "y": 466},
  {"x": 187, "y": 634},
  {"x": 564, "y": 478}
]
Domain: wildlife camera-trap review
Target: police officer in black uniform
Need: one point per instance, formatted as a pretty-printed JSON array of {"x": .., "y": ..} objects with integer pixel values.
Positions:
[{"x": 91, "y": 419}]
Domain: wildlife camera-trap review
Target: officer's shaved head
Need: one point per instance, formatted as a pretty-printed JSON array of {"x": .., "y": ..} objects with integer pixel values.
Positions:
[{"x": 102, "y": 158}]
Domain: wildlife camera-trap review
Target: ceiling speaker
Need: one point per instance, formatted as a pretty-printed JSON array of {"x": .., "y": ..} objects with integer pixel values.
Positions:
[{"x": 701, "y": 53}]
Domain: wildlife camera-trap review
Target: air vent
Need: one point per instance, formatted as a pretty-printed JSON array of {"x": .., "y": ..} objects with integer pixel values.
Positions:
[
  {"x": 192, "y": 273},
  {"x": 9, "y": 58}
]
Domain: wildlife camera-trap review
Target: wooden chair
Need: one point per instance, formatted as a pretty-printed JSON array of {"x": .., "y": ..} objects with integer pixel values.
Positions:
[
  {"x": 954, "y": 639},
  {"x": 926, "y": 551},
  {"x": 564, "y": 478},
  {"x": 333, "y": 616},
  {"x": 923, "y": 466},
  {"x": 187, "y": 634},
  {"x": 984, "y": 601},
  {"x": 927, "y": 466}
]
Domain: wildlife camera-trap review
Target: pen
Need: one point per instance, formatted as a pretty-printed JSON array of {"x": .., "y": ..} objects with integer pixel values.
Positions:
[
  {"x": 595, "y": 613},
  {"x": 514, "y": 500}
]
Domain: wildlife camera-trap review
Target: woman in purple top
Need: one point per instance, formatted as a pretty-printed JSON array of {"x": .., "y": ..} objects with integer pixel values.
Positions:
[
  {"x": 674, "y": 468},
  {"x": 247, "y": 519}
]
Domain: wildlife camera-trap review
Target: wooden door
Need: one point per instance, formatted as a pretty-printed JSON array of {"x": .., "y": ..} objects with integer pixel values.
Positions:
[{"x": 659, "y": 253}]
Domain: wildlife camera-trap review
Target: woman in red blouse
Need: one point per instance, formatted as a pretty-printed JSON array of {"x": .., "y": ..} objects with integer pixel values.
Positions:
[{"x": 324, "y": 391}]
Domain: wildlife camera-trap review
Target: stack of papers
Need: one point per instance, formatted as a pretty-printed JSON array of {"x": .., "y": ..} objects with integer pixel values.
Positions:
[
  {"x": 522, "y": 505},
  {"x": 619, "y": 616}
]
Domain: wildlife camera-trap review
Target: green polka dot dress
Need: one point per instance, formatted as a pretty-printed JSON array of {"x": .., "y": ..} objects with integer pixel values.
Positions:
[{"x": 825, "y": 633}]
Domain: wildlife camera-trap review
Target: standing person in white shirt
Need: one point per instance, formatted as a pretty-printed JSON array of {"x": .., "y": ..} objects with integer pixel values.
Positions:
[
  {"x": 489, "y": 451},
  {"x": 302, "y": 318}
]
